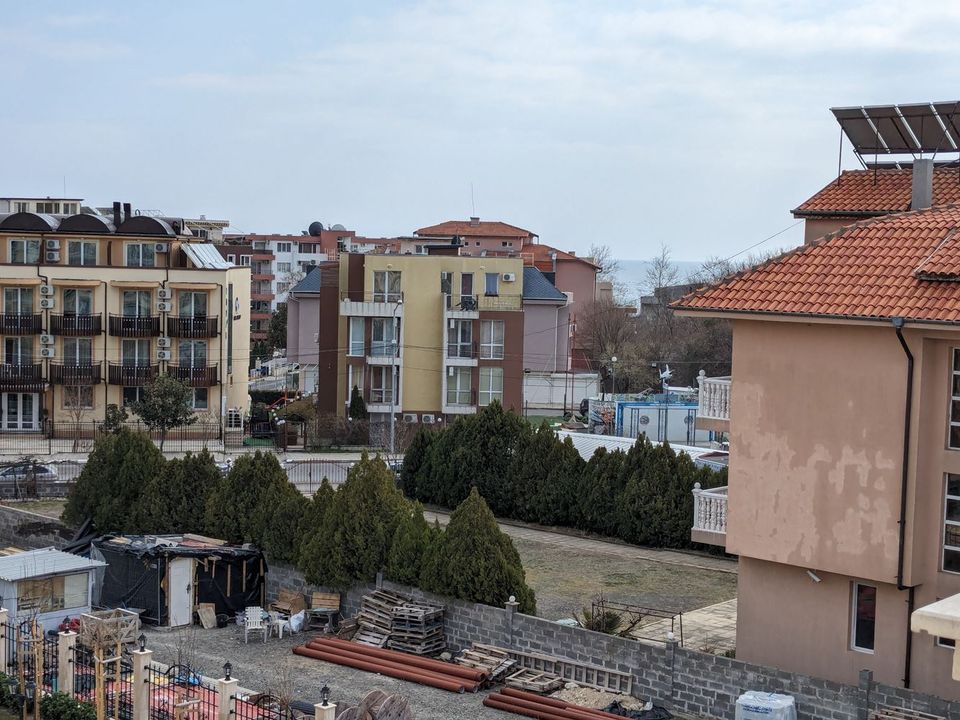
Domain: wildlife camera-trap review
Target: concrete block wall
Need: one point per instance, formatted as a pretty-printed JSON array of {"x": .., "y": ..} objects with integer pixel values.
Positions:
[{"x": 28, "y": 530}]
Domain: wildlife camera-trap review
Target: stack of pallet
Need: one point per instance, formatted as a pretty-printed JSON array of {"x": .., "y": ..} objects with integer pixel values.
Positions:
[
  {"x": 491, "y": 661},
  {"x": 375, "y": 619},
  {"x": 417, "y": 629}
]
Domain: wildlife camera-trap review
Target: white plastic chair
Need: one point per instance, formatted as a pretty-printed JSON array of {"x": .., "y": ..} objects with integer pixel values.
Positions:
[{"x": 253, "y": 620}]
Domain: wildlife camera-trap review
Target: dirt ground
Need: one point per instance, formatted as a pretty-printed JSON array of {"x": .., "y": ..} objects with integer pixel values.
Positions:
[{"x": 48, "y": 508}]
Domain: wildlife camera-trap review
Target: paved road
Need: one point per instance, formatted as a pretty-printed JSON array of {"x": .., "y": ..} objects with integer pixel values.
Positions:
[{"x": 573, "y": 543}]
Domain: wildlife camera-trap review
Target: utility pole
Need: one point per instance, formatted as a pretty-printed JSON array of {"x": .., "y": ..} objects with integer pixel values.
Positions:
[{"x": 394, "y": 381}]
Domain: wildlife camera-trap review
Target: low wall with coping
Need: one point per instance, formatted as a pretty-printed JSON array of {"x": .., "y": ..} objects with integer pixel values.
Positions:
[
  {"x": 29, "y": 530},
  {"x": 681, "y": 679}
]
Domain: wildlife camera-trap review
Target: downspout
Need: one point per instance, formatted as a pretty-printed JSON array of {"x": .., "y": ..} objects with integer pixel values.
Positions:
[{"x": 904, "y": 477}]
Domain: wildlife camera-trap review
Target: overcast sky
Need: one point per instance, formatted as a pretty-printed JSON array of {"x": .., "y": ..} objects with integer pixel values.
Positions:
[{"x": 634, "y": 124}]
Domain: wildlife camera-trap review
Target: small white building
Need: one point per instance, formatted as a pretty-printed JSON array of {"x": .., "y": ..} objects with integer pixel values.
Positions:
[{"x": 47, "y": 583}]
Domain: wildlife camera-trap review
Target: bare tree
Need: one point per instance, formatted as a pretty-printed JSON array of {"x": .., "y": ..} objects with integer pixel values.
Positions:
[{"x": 602, "y": 256}]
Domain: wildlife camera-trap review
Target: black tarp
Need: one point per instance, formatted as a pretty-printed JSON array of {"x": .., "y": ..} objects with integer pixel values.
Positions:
[{"x": 229, "y": 577}]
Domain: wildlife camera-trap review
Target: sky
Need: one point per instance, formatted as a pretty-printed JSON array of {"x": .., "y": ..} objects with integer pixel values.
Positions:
[{"x": 694, "y": 126}]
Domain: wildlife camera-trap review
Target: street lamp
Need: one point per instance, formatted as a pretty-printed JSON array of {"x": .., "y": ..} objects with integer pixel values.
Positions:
[
  {"x": 394, "y": 337},
  {"x": 325, "y": 696},
  {"x": 613, "y": 374}
]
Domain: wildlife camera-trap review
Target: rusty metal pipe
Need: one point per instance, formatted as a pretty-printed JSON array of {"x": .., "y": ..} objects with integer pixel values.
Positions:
[
  {"x": 390, "y": 671},
  {"x": 554, "y": 702},
  {"x": 415, "y": 660},
  {"x": 545, "y": 712}
]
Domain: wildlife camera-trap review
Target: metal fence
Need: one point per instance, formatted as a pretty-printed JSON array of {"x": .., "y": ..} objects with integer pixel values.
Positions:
[
  {"x": 78, "y": 437},
  {"x": 179, "y": 691},
  {"x": 307, "y": 475}
]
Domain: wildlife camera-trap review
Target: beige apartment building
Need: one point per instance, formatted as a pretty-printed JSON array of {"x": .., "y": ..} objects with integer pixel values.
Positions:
[{"x": 94, "y": 307}]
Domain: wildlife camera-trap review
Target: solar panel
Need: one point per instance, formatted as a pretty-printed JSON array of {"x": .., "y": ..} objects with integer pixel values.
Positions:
[{"x": 902, "y": 129}]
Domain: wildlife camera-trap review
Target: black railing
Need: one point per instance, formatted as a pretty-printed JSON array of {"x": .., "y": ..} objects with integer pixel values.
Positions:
[
  {"x": 131, "y": 375},
  {"x": 79, "y": 374},
  {"x": 16, "y": 324},
  {"x": 194, "y": 376},
  {"x": 76, "y": 325},
  {"x": 129, "y": 326},
  {"x": 26, "y": 378},
  {"x": 192, "y": 327}
]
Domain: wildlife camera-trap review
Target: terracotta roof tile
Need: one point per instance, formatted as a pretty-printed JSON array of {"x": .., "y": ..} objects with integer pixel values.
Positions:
[
  {"x": 481, "y": 229},
  {"x": 903, "y": 265},
  {"x": 861, "y": 193}
]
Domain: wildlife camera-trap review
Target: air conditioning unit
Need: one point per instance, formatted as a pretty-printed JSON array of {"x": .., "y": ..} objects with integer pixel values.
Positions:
[
  {"x": 427, "y": 419},
  {"x": 161, "y": 247},
  {"x": 46, "y": 303},
  {"x": 163, "y": 355},
  {"x": 164, "y": 306},
  {"x": 410, "y": 418},
  {"x": 53, "y": 244},
  {"x": 163, "y": 342},
  {"x": 164, "y": 293},
  {"x": 47, "y": 339},
  {"x": 53, "y": 256},
  {"x": 47, "y": 352},
  {"x": 509, "y": 277},
  {"x": 46, "y": 290}
]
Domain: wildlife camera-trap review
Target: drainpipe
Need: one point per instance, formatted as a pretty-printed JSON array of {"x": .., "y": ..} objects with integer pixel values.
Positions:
[{"x": 904, "y": 476}]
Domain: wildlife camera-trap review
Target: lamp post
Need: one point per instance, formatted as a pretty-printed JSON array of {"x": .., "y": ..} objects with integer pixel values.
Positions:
[
  {"x": 613, "y": 375},
  {"x": 394, "y": 381}
]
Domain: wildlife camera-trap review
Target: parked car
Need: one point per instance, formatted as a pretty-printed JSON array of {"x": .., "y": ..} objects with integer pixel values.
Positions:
[
  {"x": 22, "y": 472},
  {"x": 24, "y": 479}
]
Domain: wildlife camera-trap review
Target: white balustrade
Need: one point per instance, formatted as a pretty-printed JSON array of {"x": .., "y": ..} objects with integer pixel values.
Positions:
[
  {"x": 714, "y": 397},
  {"x": 710, "y": 509}
]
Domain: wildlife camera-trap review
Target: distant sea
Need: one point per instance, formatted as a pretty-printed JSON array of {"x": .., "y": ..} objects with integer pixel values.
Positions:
[{"x": 633, "y": 274}]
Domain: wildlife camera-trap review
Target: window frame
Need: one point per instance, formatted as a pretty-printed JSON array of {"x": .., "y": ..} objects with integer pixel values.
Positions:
[
  {"x": 383, "y": 347},
  {"x": 490, "y": 371},
  {"x": 139, "y": 302},
  {"x": 387, "y": 292},
  {"x": 21, "y": 307},
  {"x": 82, "y": 351},
  {"x": 353, "y": 343},
  {"x": 284, "y": 247},
  {"x": 200, "y": 405},
  {"x": 945, "y": 547},
  {"x": 143, "y": 251},
  {"x": 31, "y": 248},
  {"x": 136, "y": 390},
  {"x": 455, "y": 389},
  {"x": 460, "y": 339},
  {"x": 489, "y": 350},
  {"x": 83, "y": 246},
  {"x": 51, "y": 593},
  {"x": 854, "y": 617},
  {"x": 83, "y": 392},
  {"x": 76, "y": 294},
  {"x": 381, "y": 392}
]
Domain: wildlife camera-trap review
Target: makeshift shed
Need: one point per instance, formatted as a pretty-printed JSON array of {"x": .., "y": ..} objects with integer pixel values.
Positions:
[{"x": 165, "y": 577}]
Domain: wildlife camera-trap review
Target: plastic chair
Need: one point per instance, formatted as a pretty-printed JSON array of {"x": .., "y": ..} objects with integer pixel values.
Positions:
[
  {"x": 278, "y": 622},
  {"x": 253, "y": 620}
]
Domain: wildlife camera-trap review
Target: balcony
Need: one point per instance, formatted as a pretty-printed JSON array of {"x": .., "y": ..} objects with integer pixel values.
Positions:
[
  {"x": 379, "y": 401},
  {"x": 16, "y": 324},
  {"x": 465, "y": 403},
  {"x": 130, "y": 375},
  {"x": 357, "y": 304},
  {"x": 709, "y": 516},
  {"x": 192, "y": 327},
  {"x": 713, "y": 412},
  {"x": 76, "y": 325},
  {"x": 462, "y": 353},
  {"x": 82, "y": 374},
  {"x": 198, "y": 376},
  {"x": 21, "y": 378},
  {"x": 384, "y": 353},
  {"x": 135, "y": 327}
]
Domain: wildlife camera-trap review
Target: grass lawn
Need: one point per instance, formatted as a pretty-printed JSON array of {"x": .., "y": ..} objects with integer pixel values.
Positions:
[
  {"x": 49, "y": 508},
  {"x": 565, "y": 582}
]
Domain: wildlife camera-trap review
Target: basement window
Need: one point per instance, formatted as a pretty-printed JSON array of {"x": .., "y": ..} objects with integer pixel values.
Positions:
[
  {"x": 951, "y": 524},
  {"x": 863, "y": 619}
]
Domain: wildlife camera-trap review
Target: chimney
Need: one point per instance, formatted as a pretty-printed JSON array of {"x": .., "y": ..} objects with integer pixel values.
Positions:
[
  {"x": 474, "y": 222},
  {"x": 127, "y": 214},
  {"x": 922, "y": 196},
  {"x": 116, "y": 214}
]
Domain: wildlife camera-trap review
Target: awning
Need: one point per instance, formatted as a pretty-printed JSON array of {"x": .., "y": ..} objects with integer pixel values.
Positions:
[{"x": 941, "y": 619}]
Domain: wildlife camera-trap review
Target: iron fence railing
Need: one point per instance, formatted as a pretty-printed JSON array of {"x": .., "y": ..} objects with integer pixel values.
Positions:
[
  {"x": 192, "y": 327},
  {"x": 52, "y": 437},
  {"x": 76, "y": 325},
  {"x": 134, "y": 326}
]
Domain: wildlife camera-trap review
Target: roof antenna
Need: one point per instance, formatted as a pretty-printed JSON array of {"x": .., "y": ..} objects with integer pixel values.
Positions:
[{"x": 473, "y": 203}]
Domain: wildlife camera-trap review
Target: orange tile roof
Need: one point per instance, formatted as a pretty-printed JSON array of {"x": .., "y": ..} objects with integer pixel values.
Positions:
[
  {"x": 481, "y": 229},
  {"x": 860, "y": 193},
  {"x": 542, "y": 256},
  {"x": 892, "y": 266}
]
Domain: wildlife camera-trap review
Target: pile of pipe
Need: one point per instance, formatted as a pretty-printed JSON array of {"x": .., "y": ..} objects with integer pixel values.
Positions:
[
  {"x": 532, "y": 705},
  {"x": 425, "y": 671}
]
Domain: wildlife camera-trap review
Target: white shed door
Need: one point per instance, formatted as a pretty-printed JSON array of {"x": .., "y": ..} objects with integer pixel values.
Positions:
[{"x": 180, "y": 591}]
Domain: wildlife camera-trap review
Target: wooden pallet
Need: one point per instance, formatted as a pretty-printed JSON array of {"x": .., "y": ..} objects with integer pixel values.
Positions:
[
  {"x": 579, "y": 673},
  {"x": 371, "y": 637},
  {"x": 891, "y": 713},
  {"x": 494, "y": 663},
  {"x": 534, "y": 681}
]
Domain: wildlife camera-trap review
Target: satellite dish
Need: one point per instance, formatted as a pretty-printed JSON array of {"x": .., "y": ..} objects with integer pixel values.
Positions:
[
  {"x": 316, "y": 227},
  {"x": 338, "y": 227}
]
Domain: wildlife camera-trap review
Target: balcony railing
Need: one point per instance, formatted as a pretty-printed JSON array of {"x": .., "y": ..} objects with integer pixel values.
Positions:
[
  {"x": 714, "y": 400},
  {"x": 192, "y": 327},
  {"x": 466, "y": 351},
  {"x": 456, "y": 303},
  {"x": 17, "y": 324},
  {"x": 131, "y": 375},
  {"x": 195, "y": 376},
  {"x": 81, "y": 374},
  {"x": 709, "y": 515},
  {"x": 26, "y": 378},
  {"x": 381, "y": 349},
  {"x": 130, "y": 326},
  {"x": 72, "y": 325},
  {"x": 371, "y": 304}
]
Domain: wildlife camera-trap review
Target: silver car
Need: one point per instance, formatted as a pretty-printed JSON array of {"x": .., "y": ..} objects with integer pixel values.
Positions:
[{"x": 28, "y": 477}]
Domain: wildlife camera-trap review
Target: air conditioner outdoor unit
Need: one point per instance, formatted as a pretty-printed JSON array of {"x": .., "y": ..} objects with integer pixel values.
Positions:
[
  {"x": 47, "y": 352},
  {"x": 53, "y": 244},
  {"x": 509, "y": 277},
  {"x": 164, "y": 294},
  {"x": 47, "y": 339},
  {"x": 163, "y": 342},
  {"x": 163, "y": 354},
  {"x": 46, "y": 303},
  {"x": 161, "y": 247},
  {"x": 410, "y": 418},
  {"x": 427, "y": 419},
  {"x": 46, "y": 290},
  {"x": 53, "y": 256},
  {"x": 164, "y": 306}
]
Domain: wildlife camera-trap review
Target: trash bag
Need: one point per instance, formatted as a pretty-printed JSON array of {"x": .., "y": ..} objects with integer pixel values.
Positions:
[
  {"x": 654, "y": 713},
  {"x": 297, "y": 620}
]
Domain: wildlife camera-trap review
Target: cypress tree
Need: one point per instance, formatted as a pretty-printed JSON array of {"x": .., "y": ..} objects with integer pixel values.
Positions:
[
  {"x": 174, "y": 501},
  {"x": 413, "y": 462},
  {"x": 311, "y": 537},
  {"x": 236, "y": 509},
  {"x": 281, "y": 535},
  {"x": 408, "y": 546}
]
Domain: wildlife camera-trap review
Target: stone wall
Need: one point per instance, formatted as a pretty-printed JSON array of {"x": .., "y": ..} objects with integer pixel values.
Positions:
[
  {"x": 681, "y": 679},
  {"x": 28, "y": 530}
]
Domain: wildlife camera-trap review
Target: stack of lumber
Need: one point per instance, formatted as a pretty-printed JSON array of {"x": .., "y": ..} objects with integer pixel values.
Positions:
[
  {"x": 538, "y": 681},
  {"x": 417, "y": 629},
  {"x": 543, "y": 708},
  {"x": 492, "y": 661},
  {"x": 375, "y": 619}
]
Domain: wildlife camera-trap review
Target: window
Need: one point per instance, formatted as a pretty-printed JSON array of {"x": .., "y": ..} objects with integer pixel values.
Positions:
[
  {"x": 18, "y": 301},
  {"x": 245, "y": 260},
  {"x": 53, "y": 593},
  {"x": 136, "y": 303},
  {"x": 492, "y": 284},
  {"x": 18, "y": 350},
  {"x": 381, "y": 384},
  {"x": 201, "y": 233},
  {"x": 192, "y": 304},
  {"x": 135, "y": 352},
  {"x": 193, "y": 353},
  {"x": 356, "y": 341},
  {"x": 50, "y": 208},
  {"x": 77, "y": 301},
  {"x": 133, "y": 395},
  {"x": 232, "y": 259},
  {"x": 77, "y": 351},
  {"x": 491, "y": 339},
  {"x": 946, "y": 642},
  {"x": 460, "y": 339},
  {"x": 201, "y": 399},
  {"x": 283, "y": 267},
  {"x": 864, "y": 617},
  {"x": 418, "y": 250},
  {"x": 458, "y": 386},
  {"x": 491, "y": 385},
  {"x": 283, "y": 247},
  {"x": 140, "y": 255},
  {"x": 354, "y": 380},
  {"x": 25, "y": 252},
  {"x": 466, "y": 285},
  {"x": 82, "y": 253},
  {"x": 307, "y": 248},
  {"x": 386, "y": 286},
  {"x": 69, "y": 208},
  {"x": 954, "y": 440},
  {"x": 21, "y": 207},
  {"x": 382, "y": 345},
  {"x": 282, "y": 287},
  {"x": 951, "y": 524},
  {"x": 78, "y": 397}
]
